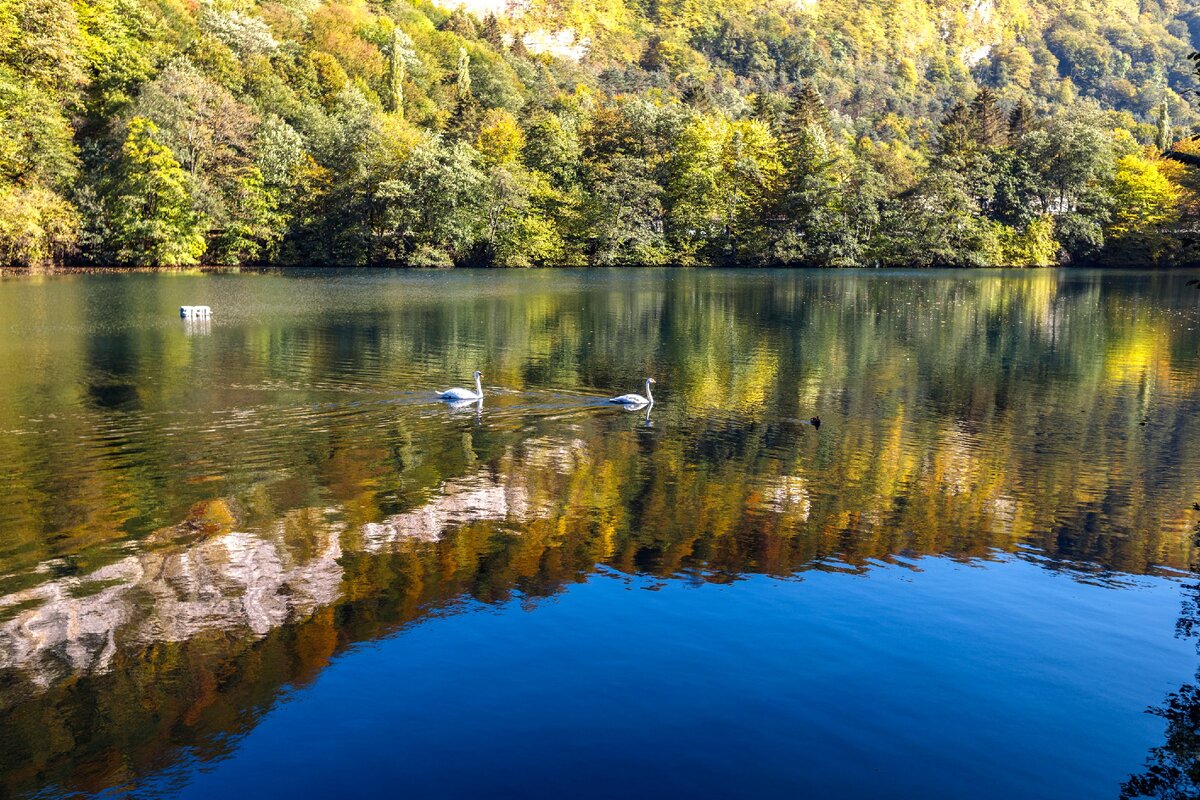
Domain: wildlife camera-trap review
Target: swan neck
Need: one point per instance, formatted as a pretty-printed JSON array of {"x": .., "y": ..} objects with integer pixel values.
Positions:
[
  {"x": 478, "y": 387},
  {"x": 649, "y": 394}
]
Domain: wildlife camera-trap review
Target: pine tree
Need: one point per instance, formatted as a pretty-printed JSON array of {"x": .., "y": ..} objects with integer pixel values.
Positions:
[
  {"x": 518, "y": 48},
  {"x": 464, "y": 119},
  {"x": 772, "y": 108},
  {"x": 1020, "y": 119},
  {"x": 807, "y": 125},
  {"x": 987, "y": 119},
  {"x": 491, "y": 31},
  {"x": 955, "y": 137},
  {"x": 461, "y": 23},
  {"x": 808, "y": 108},
  {"x": 811, "y": 203}
]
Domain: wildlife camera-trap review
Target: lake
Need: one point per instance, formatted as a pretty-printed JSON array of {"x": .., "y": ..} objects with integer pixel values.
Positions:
[{"x": 255, "y": 556}]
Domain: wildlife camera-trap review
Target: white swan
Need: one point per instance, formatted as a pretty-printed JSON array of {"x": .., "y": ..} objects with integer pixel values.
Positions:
[
  {"x": 464, "y": 394},
  {"x": 635, "y": 399}
]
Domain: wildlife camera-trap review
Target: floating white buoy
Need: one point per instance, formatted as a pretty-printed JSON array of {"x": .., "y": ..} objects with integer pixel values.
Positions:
[{"x": 193, "y": 312}]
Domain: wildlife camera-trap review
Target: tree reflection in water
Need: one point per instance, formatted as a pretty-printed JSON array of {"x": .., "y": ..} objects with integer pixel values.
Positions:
[
  {"x": 1172, "y": 769},
  {"x": 963, "y": 417}
]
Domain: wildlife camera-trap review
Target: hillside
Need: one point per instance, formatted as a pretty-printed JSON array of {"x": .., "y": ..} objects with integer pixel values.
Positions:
[{"x": 841, "y": 132}]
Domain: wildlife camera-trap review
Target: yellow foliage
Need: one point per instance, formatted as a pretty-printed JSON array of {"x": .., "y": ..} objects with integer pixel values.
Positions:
[
  {"x": 1033, "y": 246},
  {"x": 1145, "y": 196},
  {"x": 36, "y": 225},
  {"x": 500, "y": 138}
]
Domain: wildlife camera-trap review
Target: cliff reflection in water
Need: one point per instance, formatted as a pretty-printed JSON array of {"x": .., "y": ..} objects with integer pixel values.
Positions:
[{"x": 159, "y": 592}]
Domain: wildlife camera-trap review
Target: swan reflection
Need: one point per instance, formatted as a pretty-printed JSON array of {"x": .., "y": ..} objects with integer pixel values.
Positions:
[{"x": 467, "y": 405}]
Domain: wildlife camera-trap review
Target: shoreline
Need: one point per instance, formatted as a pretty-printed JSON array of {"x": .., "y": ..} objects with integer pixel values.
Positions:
[{"x": 17, "y": 271}]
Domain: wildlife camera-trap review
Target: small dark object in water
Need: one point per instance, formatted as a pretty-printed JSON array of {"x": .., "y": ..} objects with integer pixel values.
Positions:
[
  {"x": 815, "y": 422},
  {"x": 1195, "y": 506}
]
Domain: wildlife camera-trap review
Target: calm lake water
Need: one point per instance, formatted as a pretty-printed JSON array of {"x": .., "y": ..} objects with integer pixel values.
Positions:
[{"x": 253, "y": 556}]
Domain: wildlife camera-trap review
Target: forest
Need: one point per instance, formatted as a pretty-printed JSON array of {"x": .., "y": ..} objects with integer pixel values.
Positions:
[{"x": 625, "y": 132}]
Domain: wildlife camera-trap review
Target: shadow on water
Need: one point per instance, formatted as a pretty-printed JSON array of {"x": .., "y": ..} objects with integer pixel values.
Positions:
[{"x": 196, "y": 526}]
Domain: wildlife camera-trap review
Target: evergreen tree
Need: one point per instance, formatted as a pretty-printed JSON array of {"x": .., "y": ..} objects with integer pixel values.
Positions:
[
  {"x": 987, "y": 119},
  {"x": 399, "y": 55},
  {"x": 219, "y": 80},
  {"x": 491, "y": 32},
  {"x": 461, "y": 23},
  {"x": 462, "y": 83},
  {"x": 772, "y": 108},
  {"x": 807, "y": 110},
  {"x": 518, "y": 48},
  {"x": 1162, "y": 137},
  {"x": 815, "y": 229},
  {"x": 464, "y": 120},
  {"x": 1019, "y": 120}
]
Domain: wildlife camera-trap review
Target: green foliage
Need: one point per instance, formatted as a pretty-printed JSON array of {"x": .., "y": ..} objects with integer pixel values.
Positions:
[
  {"x": 1033, "y": 246},
  {"x": 152, "y": 215},
  {"x": 748, "y": 132}
]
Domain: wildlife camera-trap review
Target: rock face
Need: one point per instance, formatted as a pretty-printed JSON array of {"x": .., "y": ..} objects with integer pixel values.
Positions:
[
  {"x": 559, "y": 43},
  {"x": 539, "y": 37},
  {"x": 481, "y": 8},
  {"x": 971, "y": 28}
]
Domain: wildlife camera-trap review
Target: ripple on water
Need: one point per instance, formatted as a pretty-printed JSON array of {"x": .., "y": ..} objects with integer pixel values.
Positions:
[{"x": 237, "y": 505}]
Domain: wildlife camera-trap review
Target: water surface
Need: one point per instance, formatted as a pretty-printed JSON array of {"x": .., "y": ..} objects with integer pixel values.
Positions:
[{"x": 253, "y": 554}]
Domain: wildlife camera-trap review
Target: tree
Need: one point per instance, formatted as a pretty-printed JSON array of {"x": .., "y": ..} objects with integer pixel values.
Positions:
[
  {"x": 500, "y": 138},
  {"x": 807, "y": 111},
  {"x": 465, "y": 117},
  {"x": 1068, "y": 172},
  {"x": 623, "y": 213},
  {"x": 815, "y": 212},
  {"x": 354, "y": 185},
  {"x": 461, "y": 23},
  {"x": 1147, "y": 203},
  {"x": 491, "y": 32},
  {"x": 987, "y": 119},
  {"x": 695, "y": 196},
  {"x": 1162, "y": 136},
  {"x": 213, "y": 136},
  {"x": 37, "y": 226},
  {"x": 462, "y": 83},
  {"x": 1032, "y": 246},
  {"x": 153, "y": 221},
  {"x": 254, "y": 225},
  {"x": 722, "y": 177},
  {"x": 1144, "y": 196},
  {"x": 399, "y": 55},
  {"x": 552, "y": 148},
  {"x": 938, "y": 224},
  {"x": 1020, "y": 120},
  {"x": 521, "y": 227},
  {"x": 292, "y": 122},
  {"x": 436, "y": 204}
]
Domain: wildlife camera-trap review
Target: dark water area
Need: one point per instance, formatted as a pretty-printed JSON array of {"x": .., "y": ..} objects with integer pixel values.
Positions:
[{"x": 255, "y": 556}]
